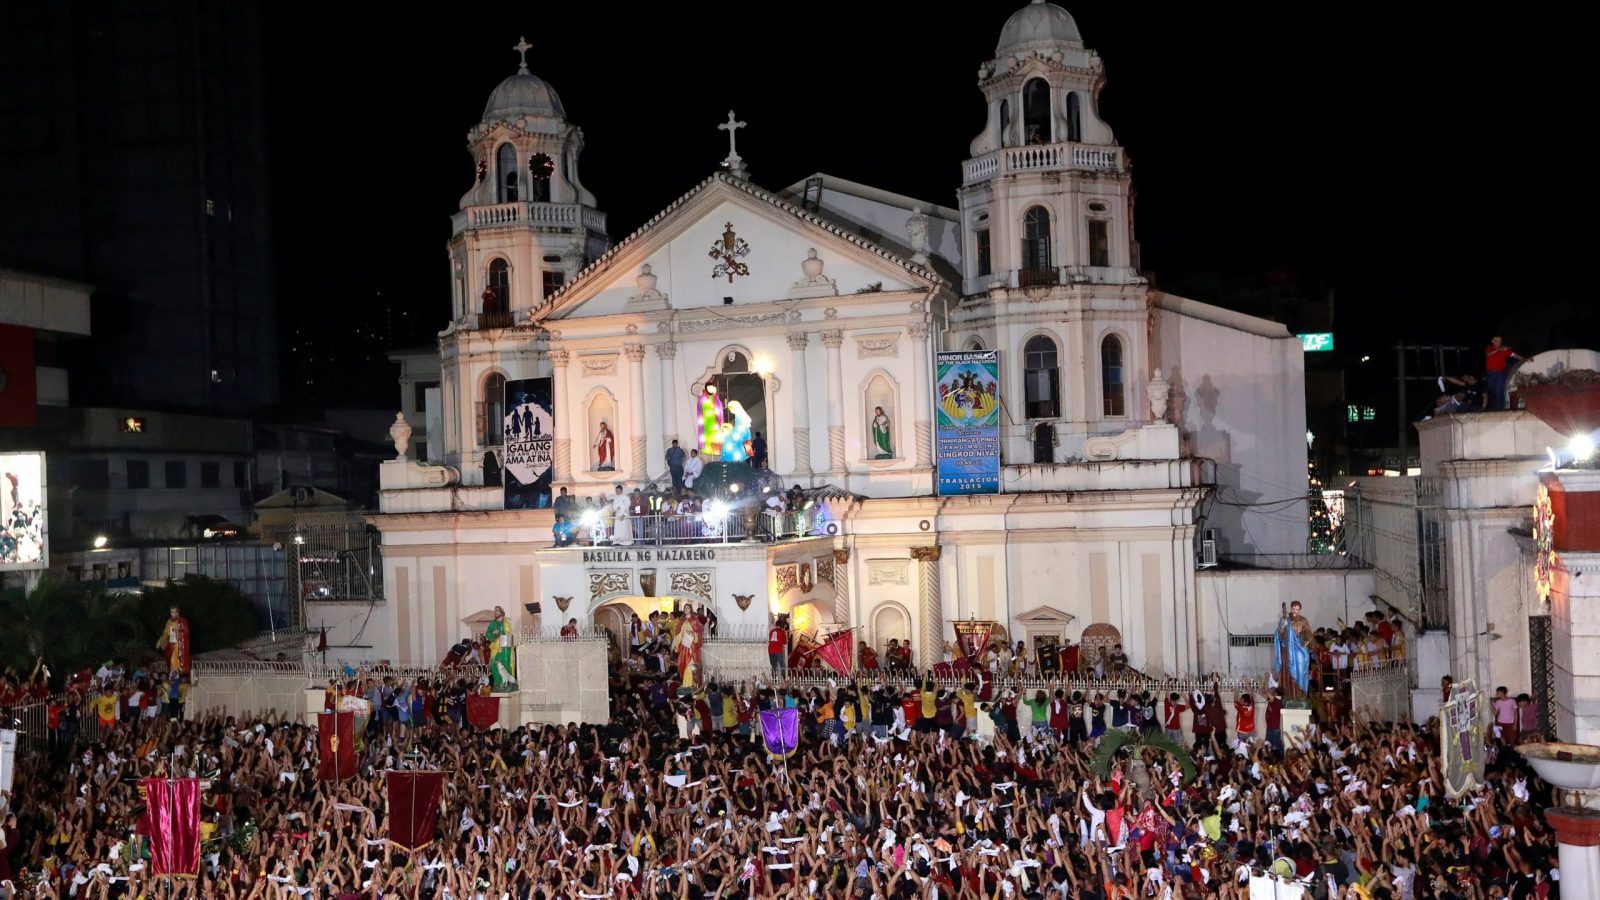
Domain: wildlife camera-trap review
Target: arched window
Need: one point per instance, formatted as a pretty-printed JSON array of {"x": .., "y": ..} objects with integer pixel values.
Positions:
[
  {"x": 505, "y": 166},
  {"x": 1112, "y": 394},
  {"x": 1041, "y": 378},
  {"x": 492, "y": 411},
  {"x": 1036, "y": 112},
  {"x": 1005, "y": 123},
  {"x": 1074, "y": 117},
  {"x": 1036, "y": 242},
  {"x": 497, "y": 295}
]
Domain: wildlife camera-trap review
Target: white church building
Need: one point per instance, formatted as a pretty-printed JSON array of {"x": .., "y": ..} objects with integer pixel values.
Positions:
[{"x": 1134, "y": 424}]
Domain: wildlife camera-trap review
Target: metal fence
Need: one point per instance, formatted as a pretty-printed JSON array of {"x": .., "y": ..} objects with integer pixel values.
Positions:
[
  {"x": 32, "y": 723},
  {"x": 1160, "y": 686},
  {"x": 595, "y": 528}
]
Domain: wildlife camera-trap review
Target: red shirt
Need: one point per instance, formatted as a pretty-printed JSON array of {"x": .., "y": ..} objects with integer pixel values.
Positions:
[
  {"x": 1245, "y": 717},
  {"x": 777, "y": 641},
  {"x": 1174, "y": 716},
  {"x": 912, "y": 707},
  {"x": 1495, "y": 358}
]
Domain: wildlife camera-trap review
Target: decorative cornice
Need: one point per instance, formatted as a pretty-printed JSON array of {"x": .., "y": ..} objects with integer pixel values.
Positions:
[
  {"x": 873, "y": 345},
  {"x": 596, "y": 366},
  {"x": 720, "y": 322},
  {"x": 926, "y": 554},
  {"x": 605, "y": 259}
]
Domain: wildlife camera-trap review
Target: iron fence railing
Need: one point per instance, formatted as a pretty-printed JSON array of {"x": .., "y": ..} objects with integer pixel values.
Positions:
[
  {"x": 1159, "y": 685},
  {"x": 593, "y": 527}
]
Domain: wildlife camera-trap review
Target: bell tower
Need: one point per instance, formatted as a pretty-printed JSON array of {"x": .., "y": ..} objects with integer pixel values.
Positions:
[
  {"x": 525, "y": 228},
  {"x": 1045, "y": 196}
]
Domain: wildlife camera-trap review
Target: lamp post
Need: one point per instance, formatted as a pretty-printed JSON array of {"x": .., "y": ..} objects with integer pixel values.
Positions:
[{"x": 1575, "y": 769}]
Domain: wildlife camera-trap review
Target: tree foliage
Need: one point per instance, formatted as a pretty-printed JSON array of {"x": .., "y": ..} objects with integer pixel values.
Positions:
[{"x": 71, "y": 627}]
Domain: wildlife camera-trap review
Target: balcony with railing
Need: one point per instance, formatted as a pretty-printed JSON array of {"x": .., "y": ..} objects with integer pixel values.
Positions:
[
  {"x": 554, "y": 215},
  {"x": 721, "y": 525},
  {"x": 1043, "y": 158},
  {"x": 496, "y": 319}
]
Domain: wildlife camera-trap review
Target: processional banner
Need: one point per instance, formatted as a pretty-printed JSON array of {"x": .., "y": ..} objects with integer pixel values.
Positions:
[{"x": 967, "y": 422}]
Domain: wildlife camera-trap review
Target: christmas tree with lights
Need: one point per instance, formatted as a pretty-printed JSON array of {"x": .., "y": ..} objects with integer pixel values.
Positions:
[{"x": 1320, "y": 537}]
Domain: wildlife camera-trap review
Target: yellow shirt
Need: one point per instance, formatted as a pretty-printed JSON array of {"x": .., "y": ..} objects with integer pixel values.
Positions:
[
  {"x": 969, "y": 702},
  {"x": 105, "y": 706}
]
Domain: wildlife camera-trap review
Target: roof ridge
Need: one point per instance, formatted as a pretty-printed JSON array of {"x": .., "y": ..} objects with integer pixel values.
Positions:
[{"x": 760, "y": 194}]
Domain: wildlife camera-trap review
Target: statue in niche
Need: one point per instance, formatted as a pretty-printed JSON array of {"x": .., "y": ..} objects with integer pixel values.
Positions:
[
  {"x": 882, "y": 436},
  {"x": 605, "y": 449}
]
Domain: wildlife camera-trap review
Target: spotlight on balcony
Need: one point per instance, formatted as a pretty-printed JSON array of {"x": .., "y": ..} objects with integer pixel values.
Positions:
[
  {"x": 100, "y": 542},
  {"x": 1581, "y": 447},
  {"x": 590, "y": 518},
  {"x": 716, "y": 512}
]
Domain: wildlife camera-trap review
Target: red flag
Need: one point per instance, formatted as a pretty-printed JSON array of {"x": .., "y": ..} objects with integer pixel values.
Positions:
[
  {"x": 336, "y": 746},
  {"x": 19, "y": 395},
  {"x": 172, "y": 814},
  {"x": 413, "y": 803},
  {"x": 482, "y": 712},
  {"x": 837, "y": 651}
]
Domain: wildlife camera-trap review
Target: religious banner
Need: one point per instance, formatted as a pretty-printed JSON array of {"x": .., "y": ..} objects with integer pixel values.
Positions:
[
  {"x": 529, "y": 443},
  {"x": 336, "y": 746},
  {"x": 413, "y": 806},
  {"x": 836, "y": 651},
  {"x": 967, "y": 422},
  {"x": 172, "y": 815},
  {"x": 1461, "y": 732},
  {"x": 483, "y": 713},
  {"x": 780, "y": 730},
  {"x": 972, "y": 636},
  {"x": 1047, "y": 650}
]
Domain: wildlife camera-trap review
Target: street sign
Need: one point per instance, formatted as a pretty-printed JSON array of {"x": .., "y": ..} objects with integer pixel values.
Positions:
[{"x": 1318, "y": 342}]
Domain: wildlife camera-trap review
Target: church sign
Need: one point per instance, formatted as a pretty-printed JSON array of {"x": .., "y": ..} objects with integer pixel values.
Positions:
[
  {"x": 529, "y": 441},
  {"x": 967, "y": 422},
  {"x": 661, "y": 554}
]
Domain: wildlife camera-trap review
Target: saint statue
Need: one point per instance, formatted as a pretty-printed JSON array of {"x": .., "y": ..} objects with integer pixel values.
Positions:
[
  {"x": 689, "y": 639},
  {"x": 605, "y": 448},
  {"x": 1291, "y": 651},
  {"x": 882, "y": 442},
  {"x": 174, "y": 642},
  {"x": 502, "y": 652}
]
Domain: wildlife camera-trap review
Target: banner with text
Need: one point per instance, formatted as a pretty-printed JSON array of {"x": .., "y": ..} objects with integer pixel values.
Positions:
[
  {"x": 967, "y": 421},
  {"x": 529, "y": 442}
]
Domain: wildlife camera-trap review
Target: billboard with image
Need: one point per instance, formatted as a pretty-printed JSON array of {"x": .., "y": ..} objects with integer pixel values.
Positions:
[{"x": 24, "y": 535}]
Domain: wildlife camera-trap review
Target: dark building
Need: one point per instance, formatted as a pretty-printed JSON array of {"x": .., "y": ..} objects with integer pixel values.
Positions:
[{"x": 133, "y": 157}]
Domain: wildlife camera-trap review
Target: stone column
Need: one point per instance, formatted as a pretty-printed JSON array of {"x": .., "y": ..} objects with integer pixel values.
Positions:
[
  {"x": 668, "y": 353},
  {"x": 636, "y": 438},
  {"x": 841, "y": 587},
  {"x": 1578, "y": 847},
  {"x": 922, "y": 392},
  {"x": 561, "y": 446},
  {"x": 930, "y": 612},
  {"x": 802, "y": 409},
  {"x": 833, "y": 340}
]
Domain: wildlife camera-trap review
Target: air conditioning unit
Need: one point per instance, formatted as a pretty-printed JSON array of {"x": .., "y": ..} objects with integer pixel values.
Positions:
[{"x": 1208, "y": 550}]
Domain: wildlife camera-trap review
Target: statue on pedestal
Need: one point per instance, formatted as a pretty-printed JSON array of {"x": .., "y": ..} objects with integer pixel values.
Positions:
[
  {"x": 502, "y": 652},
  {"x": 1291, "y": 653}
]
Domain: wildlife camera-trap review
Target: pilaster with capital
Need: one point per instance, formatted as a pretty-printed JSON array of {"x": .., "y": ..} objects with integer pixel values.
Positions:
[
  {"x": 841, "y": 587},
  {"x": 923, "y": 392},
  {"x": 798, "y": 341},
  {"x": 930, "y": 612},
  {"x": 636, "y": 404},
  {"x": 561, "y": 446},
  {"x": 833, "y": 339},
  {"x": 668, "y": 353}
]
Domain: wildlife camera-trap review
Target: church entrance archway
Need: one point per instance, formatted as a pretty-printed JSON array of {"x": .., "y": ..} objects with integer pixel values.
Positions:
[{"x": 616, "y": 614}]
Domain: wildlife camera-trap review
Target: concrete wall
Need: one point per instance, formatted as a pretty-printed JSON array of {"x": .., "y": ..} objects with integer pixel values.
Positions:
[
  {"x": 1249, "y": 602},
  {"x": 563, "y": 681},
  {"x": 1239, "y": 398}
]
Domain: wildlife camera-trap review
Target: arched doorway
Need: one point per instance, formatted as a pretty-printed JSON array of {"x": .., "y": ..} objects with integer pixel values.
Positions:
[{"x": 616, "y": 614}]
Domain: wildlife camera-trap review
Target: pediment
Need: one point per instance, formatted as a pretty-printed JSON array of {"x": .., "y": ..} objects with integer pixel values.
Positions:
[
  {"x": 772, "y": 240},
  {"x": 1044, "y": 615}
]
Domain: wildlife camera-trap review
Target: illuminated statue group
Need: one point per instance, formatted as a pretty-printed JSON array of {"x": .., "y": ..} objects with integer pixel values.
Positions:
[{"x": 724, "y": 430}]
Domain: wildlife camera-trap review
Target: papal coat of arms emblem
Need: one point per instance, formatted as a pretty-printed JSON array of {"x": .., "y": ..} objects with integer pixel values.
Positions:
[{"x": 728, "y": 252}]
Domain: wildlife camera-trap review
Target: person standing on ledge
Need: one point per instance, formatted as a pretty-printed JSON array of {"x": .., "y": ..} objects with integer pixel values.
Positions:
[
  {"x": 675, "y": 460},
  {"x": 1496, "y": 359}
]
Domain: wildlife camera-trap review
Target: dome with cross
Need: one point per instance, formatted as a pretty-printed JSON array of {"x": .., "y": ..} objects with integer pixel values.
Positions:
[{"x": 523, "y": 94}]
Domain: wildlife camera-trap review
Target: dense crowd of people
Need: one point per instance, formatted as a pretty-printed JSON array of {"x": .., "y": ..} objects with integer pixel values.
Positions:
[{"x": 898, "y": 789}]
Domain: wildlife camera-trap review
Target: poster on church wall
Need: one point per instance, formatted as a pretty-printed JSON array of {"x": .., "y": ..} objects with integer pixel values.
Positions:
[
  {"x": 529, "y": 443},
  {"x": 967, "y": 422},
  {"x": 24, "y": 535}
]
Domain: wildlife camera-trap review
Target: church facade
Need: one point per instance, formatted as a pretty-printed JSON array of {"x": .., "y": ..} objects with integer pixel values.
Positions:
[{"x": 1133, "y": 424}]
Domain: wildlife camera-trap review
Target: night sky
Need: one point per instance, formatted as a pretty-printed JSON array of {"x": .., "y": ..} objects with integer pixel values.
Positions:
[{"x": 1425, "y": 168}]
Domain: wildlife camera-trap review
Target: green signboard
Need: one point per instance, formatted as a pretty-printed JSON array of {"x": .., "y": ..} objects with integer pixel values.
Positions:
[{"x": 1318, "y": 342}]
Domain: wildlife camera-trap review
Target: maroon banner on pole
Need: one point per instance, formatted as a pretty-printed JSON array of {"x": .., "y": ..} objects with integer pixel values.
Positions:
[
  {"x": 336, "y": 746},
  {"x": 413, "y": 805},
  {"x": 483, "y": 713},
  {"x": 172, "y": 814},
  {"x": 837, "y": 651},
  {"x": 972, "y": 636}
]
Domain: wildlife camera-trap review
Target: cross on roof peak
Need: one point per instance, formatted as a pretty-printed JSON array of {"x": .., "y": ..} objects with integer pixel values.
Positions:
[
  {"x": 734, "y": 163},
  {"x": 522, "y": 47}
]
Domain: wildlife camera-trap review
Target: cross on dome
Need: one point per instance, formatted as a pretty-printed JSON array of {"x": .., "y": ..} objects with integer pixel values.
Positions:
[
  {"x": 522, "y": 47},
  {"x": 734, "y": 163}
]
